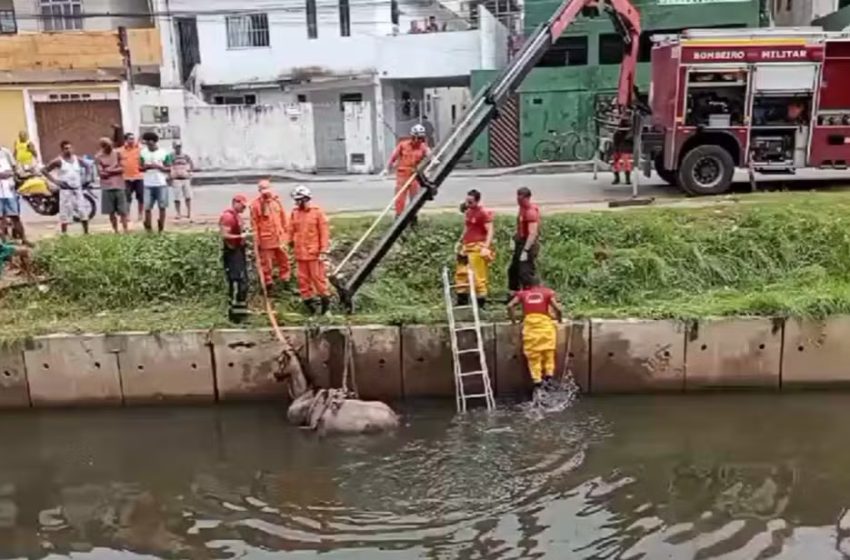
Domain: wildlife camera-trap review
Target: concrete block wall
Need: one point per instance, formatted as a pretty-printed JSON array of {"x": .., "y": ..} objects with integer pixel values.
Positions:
[{"x": 606, "y": 357}]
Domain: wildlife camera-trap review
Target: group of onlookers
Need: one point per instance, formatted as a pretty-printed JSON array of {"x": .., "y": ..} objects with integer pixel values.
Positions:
[{"x": 147, "y": 173}]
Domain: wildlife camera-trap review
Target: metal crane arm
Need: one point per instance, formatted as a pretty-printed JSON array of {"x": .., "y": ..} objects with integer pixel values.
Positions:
[{"x": 433, "y": 172}]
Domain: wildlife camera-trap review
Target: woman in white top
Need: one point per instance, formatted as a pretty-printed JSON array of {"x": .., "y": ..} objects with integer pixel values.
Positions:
[{"x": 69, "y": 178}]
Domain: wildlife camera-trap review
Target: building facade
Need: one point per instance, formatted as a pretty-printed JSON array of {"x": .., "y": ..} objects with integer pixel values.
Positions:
[
  {"x": 559, "y": 95},
  {"x": 801, "y": 13},
  {"x": 362, "y": 66},
  {"x": 64, "y": 68}
]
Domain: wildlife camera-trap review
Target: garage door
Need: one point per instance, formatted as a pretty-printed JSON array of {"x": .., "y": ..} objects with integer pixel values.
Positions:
[{"x": 82, "y": 123}]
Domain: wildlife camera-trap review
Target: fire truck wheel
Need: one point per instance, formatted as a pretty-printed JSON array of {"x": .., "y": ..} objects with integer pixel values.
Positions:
[
  {"x": 706, "y": 170},
  {"x": 666, "y": 175}
]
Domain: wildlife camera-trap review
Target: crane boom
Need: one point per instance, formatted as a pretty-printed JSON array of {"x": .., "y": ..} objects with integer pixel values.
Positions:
[{"x": 432, "y": 172}]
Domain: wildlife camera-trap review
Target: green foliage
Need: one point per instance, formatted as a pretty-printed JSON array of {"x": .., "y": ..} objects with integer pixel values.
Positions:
[{"x": 787, "y": 255}]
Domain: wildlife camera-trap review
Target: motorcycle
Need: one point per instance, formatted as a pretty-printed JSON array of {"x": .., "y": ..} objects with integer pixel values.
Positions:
[{"x": 44, "y": 199}]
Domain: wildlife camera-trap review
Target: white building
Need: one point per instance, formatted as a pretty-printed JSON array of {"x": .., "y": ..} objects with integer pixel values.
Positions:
[
  {"x": 354, "y": 62},
  {"x": 800, "y": 13}
]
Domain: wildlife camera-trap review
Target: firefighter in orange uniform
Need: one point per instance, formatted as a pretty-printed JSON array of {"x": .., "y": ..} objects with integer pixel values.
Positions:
[
  {"x": 310, "y": 240},
  {"x": 406, "y": 157},
  {"x": 271, "y": 234}
]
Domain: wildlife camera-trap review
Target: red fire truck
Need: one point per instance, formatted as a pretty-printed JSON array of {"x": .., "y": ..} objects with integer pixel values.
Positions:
[{"x": 771, "y": 101}]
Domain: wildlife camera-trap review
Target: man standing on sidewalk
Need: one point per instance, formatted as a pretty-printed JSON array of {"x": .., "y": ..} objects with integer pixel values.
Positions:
[
  {"x": 156, "y": 164},
  {"x": 310, "y": 241},
  {"x": 523, "y": 263},
  {"x": 10, "y": 205},
  {"x": 113, "y": 199},
  {"x": 271, "y": 235},
  {"x": 234, "y": 258},
  {"x": 131, "y": 162},
  {"x": 181, "y": 180},
  {"x": 71, "y": 171}
]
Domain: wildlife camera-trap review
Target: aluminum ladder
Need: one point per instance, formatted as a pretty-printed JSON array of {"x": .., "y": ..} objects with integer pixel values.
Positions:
[{"x": 456, "y": 327}]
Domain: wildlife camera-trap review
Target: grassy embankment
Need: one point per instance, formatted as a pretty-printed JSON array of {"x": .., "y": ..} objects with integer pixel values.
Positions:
[{"x": 773, "y": 255}]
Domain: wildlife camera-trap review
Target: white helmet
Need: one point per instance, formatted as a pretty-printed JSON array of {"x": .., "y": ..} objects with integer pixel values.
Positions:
[
  {"x": 418, "y": 131},
  {"x": 300, "y": 192}
]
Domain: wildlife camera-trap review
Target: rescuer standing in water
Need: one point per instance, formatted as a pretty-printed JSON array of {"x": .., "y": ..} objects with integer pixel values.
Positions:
[
  {"x": 271, "y": 234},
  {"x": 474, "y": 250},
  {"x": 539, "y": 335},
  {"x": 406, "y": 157},
  {"x": 234, "y": 258},
  {"x": 310, "y": 237},
  {"x": 523, "y": 263}
]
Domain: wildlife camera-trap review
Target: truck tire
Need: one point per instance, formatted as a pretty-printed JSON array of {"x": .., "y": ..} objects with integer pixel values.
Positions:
[
  {"x": 666, "y": 175},
  {"x": 706, "y": 170}
]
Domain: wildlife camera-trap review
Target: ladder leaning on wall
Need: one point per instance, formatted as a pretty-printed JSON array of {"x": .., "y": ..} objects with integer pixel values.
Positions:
[{"x": 456, "y": 327}]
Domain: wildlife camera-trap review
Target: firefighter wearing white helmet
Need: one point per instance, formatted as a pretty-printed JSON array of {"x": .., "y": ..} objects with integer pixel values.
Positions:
[
  {"x": 406, "y": 158},
  {"x": 301, "y": 192},
  {"x": 310, "y": 238}
]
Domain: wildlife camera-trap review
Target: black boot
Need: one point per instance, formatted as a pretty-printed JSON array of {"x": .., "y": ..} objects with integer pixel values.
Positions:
[
  {"x": 482, "y": 302},
  {"x": 326, "y": 305},
  {"x": 616, "y": 179},
  {"x": 628, "y": 177},
  {"x": 310, "y": 304},
  {"x": 462, "y": 299}
]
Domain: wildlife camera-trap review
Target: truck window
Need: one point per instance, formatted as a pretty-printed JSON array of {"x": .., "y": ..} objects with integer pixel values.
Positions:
[
  {"x": 610, "y": 48},
  {"x": 567, "y": 51}
]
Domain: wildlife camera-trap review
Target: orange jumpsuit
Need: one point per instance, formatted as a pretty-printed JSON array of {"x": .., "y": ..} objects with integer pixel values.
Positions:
[
  {"x": 271, "y": 232},
  {"x": 310, "y": 238},
  {"x": 408, "y": 153}
]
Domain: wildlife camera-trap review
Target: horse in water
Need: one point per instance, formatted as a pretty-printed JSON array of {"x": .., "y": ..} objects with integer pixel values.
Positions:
[{"x": 329, "y": 410}]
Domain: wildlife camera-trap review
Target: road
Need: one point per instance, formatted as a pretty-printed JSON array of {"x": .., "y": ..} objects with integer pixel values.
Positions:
[{"x": 370, "y": 194}]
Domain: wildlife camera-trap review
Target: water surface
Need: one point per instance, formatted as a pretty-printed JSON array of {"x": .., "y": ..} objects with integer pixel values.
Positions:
[{"x": 720, "y": 476}]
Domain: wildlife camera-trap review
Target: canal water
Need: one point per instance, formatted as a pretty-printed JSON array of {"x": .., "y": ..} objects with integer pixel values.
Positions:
[{"x": 718, "y": 476}]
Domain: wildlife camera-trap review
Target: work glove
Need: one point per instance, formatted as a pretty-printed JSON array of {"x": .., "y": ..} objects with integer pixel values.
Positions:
[
  {"x": 523, "y": 257},
  {"x": 486, "y": 253}
]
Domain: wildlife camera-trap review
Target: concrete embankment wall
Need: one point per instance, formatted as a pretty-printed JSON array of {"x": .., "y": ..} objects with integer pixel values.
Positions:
[{"x": 392, "y": 363}]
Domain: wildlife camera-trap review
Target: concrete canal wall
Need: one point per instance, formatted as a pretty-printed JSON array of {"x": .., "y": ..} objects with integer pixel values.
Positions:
[{"x": 606, "y": 357}]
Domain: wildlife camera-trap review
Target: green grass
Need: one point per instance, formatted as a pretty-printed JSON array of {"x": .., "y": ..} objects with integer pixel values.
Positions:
[{"x": 773, "y": 255}]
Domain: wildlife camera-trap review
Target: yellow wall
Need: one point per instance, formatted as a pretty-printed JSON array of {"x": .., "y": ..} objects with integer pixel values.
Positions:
[{"x": 12, "y": 116}]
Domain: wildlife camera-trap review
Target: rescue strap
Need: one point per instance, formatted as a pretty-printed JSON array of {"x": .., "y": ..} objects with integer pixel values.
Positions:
[
  {"x": 401, "y": 192},
  {"x": 287, "y": 347},
  {"x": 566, "y": 371}
]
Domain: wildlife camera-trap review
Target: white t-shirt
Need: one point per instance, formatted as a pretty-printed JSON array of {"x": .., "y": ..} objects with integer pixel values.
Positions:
[
  {"x": 155, "y": 177},
  {"x": 7, "y": 186}
]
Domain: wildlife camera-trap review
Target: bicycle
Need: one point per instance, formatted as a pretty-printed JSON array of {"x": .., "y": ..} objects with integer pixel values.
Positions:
[{"x": 563, "y": 146}]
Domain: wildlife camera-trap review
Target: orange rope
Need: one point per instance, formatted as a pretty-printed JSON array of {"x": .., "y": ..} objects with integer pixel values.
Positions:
[{"x": 269, "y": 309}]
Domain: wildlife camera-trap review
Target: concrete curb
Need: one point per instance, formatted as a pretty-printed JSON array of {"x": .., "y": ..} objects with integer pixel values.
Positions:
[
  {"x": 606, "y": 357},
  {"x": 225, "y": 177}
]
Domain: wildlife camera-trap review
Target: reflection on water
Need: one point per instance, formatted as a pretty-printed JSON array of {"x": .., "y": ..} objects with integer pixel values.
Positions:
[{"x": 740, "y": 476}]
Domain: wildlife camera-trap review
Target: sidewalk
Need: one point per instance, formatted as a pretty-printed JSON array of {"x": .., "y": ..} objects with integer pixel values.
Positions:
[{"x": 227, "y": 177}]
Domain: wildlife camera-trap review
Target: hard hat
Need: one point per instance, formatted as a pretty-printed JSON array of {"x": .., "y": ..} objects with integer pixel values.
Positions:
[
  {"x": 300, "y": 192},
  {"x": 241, "y": 198},
  {"x": 417, "y": 131}
]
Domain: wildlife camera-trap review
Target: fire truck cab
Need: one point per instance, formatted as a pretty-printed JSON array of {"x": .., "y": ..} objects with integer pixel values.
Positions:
[{"x": 772, "y": 101}]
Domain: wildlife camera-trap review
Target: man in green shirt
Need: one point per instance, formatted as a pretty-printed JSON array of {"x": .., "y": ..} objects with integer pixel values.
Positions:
[
  {"x": 7, "y": 251},
  {"x": 156, "y": 164}
]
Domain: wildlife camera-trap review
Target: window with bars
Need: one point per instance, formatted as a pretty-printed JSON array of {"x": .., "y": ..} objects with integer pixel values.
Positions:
[
  {"x": 248, "y": 31},
  {"x": 8, "y": 24},
  {"x": 61, "y": 15}
]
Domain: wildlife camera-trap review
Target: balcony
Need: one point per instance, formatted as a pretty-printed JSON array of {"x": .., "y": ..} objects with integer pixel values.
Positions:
[{"x": 290, "y": 55}]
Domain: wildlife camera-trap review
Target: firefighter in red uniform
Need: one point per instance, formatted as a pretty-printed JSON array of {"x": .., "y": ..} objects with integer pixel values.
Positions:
[
  {"x": 523, "y": 263},
  {"x": 621, "y": 161},
  {"x": 234, "y": 258},
  {"x": 406, "y": 157},
  {"x": 539, "y": 334}
]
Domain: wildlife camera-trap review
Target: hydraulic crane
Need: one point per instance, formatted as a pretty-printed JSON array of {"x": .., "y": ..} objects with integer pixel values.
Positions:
[{"x": 432, "y": 172}]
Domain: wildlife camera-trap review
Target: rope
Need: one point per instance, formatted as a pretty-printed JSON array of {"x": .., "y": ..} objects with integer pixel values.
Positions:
[
  {"x": 348, "y": 368},
  {"x": 390, "y": 206},
  {"x": 566, "y": 370}
]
